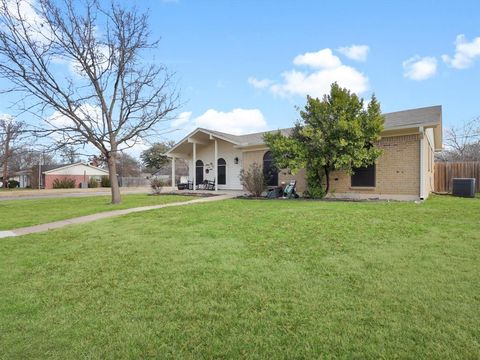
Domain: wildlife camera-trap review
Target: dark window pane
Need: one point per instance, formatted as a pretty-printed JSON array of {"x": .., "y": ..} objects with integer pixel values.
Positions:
[
  {"x": 364, "y": 176},
  {"x": 222, "y": 171},
  {"x": 199, "y": 171},
  {"x": 270, "y": 171}
]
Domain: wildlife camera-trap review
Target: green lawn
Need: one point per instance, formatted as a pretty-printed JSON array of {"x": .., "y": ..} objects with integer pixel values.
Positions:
[
  {"x": 20, "y": 213},
  {"x": 250, "y": 279}
]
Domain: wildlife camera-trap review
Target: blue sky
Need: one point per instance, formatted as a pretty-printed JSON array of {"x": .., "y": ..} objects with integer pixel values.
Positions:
[
  {"x": 216, "y": 46},
  {"x": 243, "y": 66}
]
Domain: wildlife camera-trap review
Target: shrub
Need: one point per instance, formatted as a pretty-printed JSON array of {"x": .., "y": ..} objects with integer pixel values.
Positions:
[
  {"x": 157, "y": 184},
  {"x": 315, "y": 190},
  {"x": 92, "y": 183},
  {"x": 64, "y": 183},
  {"x": 13, "y": 184},
  {"x": 253, "y": 179},
  {"x": 105, "y": 181}
]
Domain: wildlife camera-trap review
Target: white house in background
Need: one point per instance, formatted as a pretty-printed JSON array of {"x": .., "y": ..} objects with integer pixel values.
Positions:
[{"x": 405, "y": 170}]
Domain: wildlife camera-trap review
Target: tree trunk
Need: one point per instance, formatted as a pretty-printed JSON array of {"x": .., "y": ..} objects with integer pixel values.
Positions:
[
  {"x": 5, "y": 162},
  {"x": 327, "y": 175},
  {"x": 112, "y": 172}
]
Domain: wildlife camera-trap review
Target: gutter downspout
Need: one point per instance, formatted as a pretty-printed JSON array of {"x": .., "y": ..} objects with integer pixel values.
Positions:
[{"x": 422, "y": 163}]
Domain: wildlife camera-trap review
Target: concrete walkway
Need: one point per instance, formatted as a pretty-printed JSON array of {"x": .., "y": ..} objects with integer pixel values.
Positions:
[{"x": 103, "y": 215}]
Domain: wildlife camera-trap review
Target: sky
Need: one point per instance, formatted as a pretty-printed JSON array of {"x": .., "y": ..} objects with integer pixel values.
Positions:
[{"x": 246, "y": 66}]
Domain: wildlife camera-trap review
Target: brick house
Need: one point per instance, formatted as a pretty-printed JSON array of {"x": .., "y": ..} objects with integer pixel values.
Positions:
[
  {"x": 79, "y": 172},
  {"x": 405, "y": 170}
]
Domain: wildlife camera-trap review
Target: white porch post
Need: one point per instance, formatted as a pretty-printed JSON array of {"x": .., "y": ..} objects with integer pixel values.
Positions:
[
  {"x": 194, "y": 166},
  {"x": 173, "y": 173},
  {"x": 216, "y": 165}
]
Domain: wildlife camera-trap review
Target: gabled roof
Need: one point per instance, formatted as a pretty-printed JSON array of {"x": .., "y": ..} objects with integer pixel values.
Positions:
[
  {"x": 61, "y": 167},
  {"x": 413, "y": 118}
]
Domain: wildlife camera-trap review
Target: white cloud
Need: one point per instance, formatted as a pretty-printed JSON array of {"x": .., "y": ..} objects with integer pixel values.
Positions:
[
  {"x": 326, "y": 68},
  {"x": 236, "y": 121},
  {"x": 320, "y": 59},
  {"x": 417, "y": 68},
  {"x": 318, "y": 83},
  {"x": 465, "y": 53},
  {"x": 36, "y": 25},
  {"x": 90, "y": 114},
  {"x": 259, "y": 84},
  {"x": 355, "y": 52},
  {"x": 6, "y": 117},
  {"x": 182, "y": 119}
]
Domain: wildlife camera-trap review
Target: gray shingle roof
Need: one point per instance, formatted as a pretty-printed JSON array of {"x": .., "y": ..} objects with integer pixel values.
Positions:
[
  {"x": 426, "y": 116},
  {"x": 414, "y": 117},
  {"x": 394, "y": 120}
]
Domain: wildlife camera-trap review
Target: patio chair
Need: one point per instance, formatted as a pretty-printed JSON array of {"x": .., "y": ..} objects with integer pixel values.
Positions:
[
  {"x": 184, "y": 183},
  {"x": 210, "y": 185},
  {"x": 289, "y": 191}
]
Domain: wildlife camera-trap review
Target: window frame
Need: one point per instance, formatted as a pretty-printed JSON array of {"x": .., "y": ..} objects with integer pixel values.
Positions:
[{"x": 374, "y": 166}]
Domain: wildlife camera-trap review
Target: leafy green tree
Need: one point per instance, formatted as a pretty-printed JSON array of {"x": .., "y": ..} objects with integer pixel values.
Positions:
[
  {"x": 335, "y": 133},
  {"x": 154, "y": 158}
]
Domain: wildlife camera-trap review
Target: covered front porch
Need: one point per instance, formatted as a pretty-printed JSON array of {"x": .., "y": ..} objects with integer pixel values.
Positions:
[{"x": 212, "y": 158}]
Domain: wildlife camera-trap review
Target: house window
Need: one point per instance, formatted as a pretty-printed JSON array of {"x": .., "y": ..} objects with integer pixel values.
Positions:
[
  {"x": 364, "y": 176},
  {"x": 222, "y": 171},
  {"x": 270, "y": 171},
  {"x": 199, "y": 171}
]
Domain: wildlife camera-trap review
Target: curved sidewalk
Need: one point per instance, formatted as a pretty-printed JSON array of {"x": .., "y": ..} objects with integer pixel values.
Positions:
[{"x": 103, "y": 215}]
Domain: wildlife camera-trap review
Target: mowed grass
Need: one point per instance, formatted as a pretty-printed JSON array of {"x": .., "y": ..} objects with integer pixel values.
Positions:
[
  {"x": 20, "y": 213},
  {"x": 250, "y": 279}
]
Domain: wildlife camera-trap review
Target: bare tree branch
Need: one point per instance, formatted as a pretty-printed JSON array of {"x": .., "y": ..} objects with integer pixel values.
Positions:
[{"x": 81, "y": 69}]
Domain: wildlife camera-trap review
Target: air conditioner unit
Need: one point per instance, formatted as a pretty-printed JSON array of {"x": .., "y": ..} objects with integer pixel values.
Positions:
[{"x": 464, "y": 187}]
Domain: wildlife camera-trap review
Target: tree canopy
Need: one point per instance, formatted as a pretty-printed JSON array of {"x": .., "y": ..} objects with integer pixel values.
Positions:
[
  {"x": 334, "y": 133},
  {"x": 154, "y": 158}
]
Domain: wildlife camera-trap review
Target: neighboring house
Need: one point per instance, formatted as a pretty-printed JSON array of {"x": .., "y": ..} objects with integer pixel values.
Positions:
[
  {"x": 23, "y": 177},
  {"x": 47, "y": 174},
  {"x": 405, "y": 171}
]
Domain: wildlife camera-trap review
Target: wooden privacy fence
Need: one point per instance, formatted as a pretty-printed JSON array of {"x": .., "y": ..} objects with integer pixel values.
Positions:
[{"x": 446, "y": 171}]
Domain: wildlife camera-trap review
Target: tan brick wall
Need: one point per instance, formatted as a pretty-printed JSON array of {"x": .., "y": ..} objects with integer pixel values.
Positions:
[
  {"x": 397, "y": 170},
  {"x": 250, "y": 157}
]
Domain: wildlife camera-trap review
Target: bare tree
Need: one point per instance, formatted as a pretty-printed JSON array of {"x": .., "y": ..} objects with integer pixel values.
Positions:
[
  {"x": 81, "y": 67},
  {"x": 10, "y": 132},
  {"x": 26, "y": 157},
  {"x": 69, "y": 155},
  {"x": 126, "y": 164},
  {"x": 462, "y": 142}
]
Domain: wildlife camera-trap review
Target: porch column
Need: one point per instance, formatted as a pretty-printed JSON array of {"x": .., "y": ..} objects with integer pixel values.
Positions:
[
  {"x": 194, "y": 166},
  {"x": 216, "y": 165},
  {"x": 173, "y": 173}
]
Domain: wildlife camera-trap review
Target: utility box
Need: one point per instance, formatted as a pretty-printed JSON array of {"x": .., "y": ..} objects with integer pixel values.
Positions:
[
  {"x": 464, "y": 187},
  {"x": 84, "y": 185}
]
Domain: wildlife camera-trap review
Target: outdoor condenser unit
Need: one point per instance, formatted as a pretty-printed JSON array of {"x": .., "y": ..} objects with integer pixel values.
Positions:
[{"x": 463, "y": 187}]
